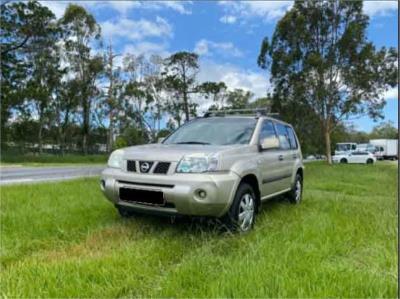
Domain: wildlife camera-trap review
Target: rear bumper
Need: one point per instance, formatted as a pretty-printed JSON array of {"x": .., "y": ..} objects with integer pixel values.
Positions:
[{"x": 181, "y": 191}]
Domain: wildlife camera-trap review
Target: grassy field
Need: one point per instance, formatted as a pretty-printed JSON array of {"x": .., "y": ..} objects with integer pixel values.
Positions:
[
  {"x": 9, "y": 159},
  {"x": 65, "y": 240}
]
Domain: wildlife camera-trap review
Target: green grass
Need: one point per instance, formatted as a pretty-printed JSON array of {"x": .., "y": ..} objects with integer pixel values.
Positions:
[
  {"x": 65, "y": 240},
  {"x": 8, "y": 159}
]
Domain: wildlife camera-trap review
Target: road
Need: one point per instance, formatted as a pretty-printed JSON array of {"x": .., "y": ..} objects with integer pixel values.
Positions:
[{"x": 18, "y": 175}]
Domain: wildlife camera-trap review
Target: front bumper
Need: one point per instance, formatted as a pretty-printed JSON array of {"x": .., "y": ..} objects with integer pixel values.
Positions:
[{"x": 181, "y": 191}]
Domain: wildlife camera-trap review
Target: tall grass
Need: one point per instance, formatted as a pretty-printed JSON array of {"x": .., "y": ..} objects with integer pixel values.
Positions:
[{"x": 65, "y": 240}]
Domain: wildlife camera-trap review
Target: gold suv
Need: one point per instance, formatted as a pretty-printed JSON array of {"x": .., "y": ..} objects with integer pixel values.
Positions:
[{"x": 219, "y": 165}]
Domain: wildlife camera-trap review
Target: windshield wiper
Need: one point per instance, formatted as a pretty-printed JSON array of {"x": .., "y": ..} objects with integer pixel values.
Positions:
[{"x": 193, "y": 142}]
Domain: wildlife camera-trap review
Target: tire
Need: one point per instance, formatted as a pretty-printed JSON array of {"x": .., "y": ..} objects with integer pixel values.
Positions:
[
  {"x": 242, "y": 213},
  {"x": 124, "y": 212},
  {"x": 343, "y": 161},
  {"x": 296, "y": 194},
  {"x": 370, "y": 161}
]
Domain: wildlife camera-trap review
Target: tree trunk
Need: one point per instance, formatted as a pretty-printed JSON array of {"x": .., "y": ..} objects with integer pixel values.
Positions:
[
  {"x": 186, "y": 105},
  {"x": 328, "y": 144},
  {"x": 40, "y": 137},
  {"x": 110, "y": 134},
  {"x": 86, "y": 120}
]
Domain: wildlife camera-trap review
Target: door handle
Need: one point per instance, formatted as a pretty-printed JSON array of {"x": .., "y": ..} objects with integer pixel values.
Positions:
[
  {"x": 294, "y": 156},
  {"x": 280, "y": 158}
]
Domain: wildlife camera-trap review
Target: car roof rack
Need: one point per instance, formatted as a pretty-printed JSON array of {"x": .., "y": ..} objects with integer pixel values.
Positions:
[{"x": 250, "y": 112}]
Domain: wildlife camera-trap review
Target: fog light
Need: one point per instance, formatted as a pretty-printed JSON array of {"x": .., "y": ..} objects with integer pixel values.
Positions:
[
  {"x": 102, "y": 185},
  {"x": 202, "y": 194}
]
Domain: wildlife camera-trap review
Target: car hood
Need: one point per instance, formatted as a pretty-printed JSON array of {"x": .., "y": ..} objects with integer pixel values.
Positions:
[{"x": 171, "y": 152}]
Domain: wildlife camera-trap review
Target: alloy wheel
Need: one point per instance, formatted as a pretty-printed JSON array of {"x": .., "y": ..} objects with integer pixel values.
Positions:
[{"x": 246, "y": 212}]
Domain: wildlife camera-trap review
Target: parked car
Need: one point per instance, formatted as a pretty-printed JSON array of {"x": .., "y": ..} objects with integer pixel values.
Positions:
[
  {"x": 355, "y": 157},
  {"x": 366, "y": 147},
  {"x": 221, "y": 166}
]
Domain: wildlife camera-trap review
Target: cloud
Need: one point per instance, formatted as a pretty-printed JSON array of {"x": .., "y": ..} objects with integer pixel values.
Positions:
[
  {"x": 123, "y": 7},
  {"x": 208, "y": 48},
  {"x": 380, "y": 8},
  {"x": 391, "y": 94},
  {"x": 136, "y": 29},
  {"x": 268, "y": 10},
  {"x": 234, "y": 77},
  {"x": 147, "y": 48},
  {"x": 228, "y": 19},
  {"x": 57, "y": 7}
]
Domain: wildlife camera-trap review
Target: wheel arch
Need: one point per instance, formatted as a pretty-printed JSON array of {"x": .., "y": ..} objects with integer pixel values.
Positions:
[{"x": 252, "y": 180}]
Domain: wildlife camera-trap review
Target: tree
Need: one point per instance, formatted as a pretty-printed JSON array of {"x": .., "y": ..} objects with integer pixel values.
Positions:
[
  {"x": 385, "y": 130},
  {"x": 180, "y": 77},
  {"x": 81, "y": 29},
  {"x": 263, "y": 102},
  {"x": 320, "y": 59},
  {"x": 65, "y": 106},
  {"x": 113, "y": 98},
  {"x": 217, "y": 91},
  {"x": 44, "y": 74},
  {"x": 22, "y": 23},
  {"x": 239, "y": 99}
]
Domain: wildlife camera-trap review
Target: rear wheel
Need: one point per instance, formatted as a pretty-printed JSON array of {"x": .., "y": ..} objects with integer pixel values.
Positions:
[
  {"x": 343, "y": 161},
  {"x": 242, "y": 213},
  {"x": 295, "y": 195}
]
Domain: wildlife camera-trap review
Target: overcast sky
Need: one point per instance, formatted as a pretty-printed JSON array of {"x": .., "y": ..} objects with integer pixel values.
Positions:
[{"x": 226, "y": 34}]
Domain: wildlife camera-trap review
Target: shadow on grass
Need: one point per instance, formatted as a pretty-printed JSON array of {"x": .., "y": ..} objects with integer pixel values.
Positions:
[{"x": 194, "y": 225}]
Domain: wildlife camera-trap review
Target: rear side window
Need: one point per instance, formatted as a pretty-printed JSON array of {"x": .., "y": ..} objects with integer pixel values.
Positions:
[
  {"x": 292, "y": 138},
  {"x": 267, "y": 130},
  {"x": 283, "y": 136}
]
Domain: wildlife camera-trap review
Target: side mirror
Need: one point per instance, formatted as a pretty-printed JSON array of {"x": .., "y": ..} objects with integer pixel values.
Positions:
[
  {"x": 269, "y": 143},
  {"x": 160, "y": 140}
]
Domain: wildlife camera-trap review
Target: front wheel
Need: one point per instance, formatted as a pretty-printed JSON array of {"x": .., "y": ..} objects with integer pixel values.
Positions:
[
  {"x": 343, "y": 161},
  {"x": 296, "y": 194},
  {"x": 242, "y": 213},
  {"x": 370, "y": 161}
]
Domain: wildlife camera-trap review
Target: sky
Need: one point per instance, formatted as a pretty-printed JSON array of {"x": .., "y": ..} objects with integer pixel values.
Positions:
[{"x": 226, "y": 34}]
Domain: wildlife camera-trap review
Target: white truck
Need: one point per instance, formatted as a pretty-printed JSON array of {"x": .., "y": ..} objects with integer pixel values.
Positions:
[{"x": 386, "y": 148}]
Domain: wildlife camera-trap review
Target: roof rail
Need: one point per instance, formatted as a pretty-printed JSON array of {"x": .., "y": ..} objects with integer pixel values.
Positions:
[{"x": 250, "y": 111}]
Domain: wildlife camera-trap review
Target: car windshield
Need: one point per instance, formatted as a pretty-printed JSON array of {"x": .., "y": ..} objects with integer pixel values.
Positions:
[
  {"x": 343, "y": 147},
  {"x": 214, "y": 131}
]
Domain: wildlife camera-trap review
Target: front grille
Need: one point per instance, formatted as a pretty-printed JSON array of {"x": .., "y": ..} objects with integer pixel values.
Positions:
[
  {"x": 131, "y": 166},
  {"x": 162, "y": 167},
  {"x": 139, "y": 196}
]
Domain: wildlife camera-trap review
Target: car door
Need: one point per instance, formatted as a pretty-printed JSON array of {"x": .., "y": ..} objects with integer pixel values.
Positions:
[
  {"x": 285, "y": 157},
  {"x": 268, "y": 161}
]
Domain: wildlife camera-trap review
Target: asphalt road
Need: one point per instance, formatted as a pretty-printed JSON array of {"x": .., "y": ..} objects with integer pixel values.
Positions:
[{"x": 18, "y": 175}]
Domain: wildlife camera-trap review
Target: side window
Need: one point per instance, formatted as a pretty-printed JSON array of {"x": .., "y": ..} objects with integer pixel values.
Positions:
[
  {"x": 283, "y": 136},
  {"x": 292, "y": 138},
  {"x": 267, "y": 130}
]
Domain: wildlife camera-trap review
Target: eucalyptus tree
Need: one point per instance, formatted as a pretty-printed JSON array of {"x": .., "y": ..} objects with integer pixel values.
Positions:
[
  {"x": 44, "y": 75},
  {"x": 180, "y": 73},
  {"x": 80, "y": 31},
  {"x": 22, "y": 25},
  {"x": 113, "y": 97},
  {"x": 321, "y": 61},
  {"x": 239, "y": 98},
  {"x": 216, "y": 91},
  {"x": 65, "y": 105}
]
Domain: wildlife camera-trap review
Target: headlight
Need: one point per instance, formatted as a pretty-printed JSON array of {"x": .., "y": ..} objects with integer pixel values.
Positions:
[
  {"x": 115, "y": 160},
  {"x": 197, "y": 163}
]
